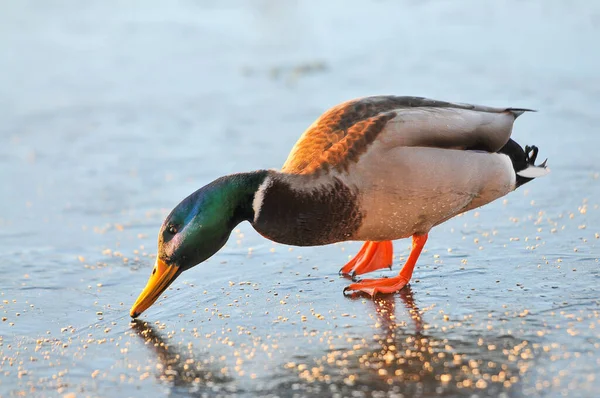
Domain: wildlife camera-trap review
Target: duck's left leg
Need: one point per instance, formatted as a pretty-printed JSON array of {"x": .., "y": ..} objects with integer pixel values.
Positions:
[{"x": 393, "y": 284}]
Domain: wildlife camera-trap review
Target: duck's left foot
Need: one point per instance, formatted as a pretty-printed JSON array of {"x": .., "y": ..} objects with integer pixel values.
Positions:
[
  {"x": 371, "y": 257},
  {"x": 381, "y": 285}
]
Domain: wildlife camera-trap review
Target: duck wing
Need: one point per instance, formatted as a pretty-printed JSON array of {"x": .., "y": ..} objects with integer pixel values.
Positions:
[{"x": 343, "y": 133}]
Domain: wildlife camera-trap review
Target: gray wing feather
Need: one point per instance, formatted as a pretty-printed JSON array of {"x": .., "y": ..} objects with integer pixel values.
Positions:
[
  {"x": 431, "y": 123},
  {"x": 422, "y": 102}
]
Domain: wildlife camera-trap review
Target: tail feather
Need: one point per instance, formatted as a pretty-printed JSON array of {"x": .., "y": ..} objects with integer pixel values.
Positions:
[{"x": 519, "y": 111}]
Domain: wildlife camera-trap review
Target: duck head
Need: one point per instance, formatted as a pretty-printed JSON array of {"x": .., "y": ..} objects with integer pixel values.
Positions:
[{"x": 196, "y": 229}]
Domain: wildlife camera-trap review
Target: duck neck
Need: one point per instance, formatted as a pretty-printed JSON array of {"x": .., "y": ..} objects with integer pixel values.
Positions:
[{"x": 241, "y": 191}]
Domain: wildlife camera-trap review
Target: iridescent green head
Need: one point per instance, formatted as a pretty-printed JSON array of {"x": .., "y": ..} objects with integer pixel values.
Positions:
[{"x": 197, "y": 228}]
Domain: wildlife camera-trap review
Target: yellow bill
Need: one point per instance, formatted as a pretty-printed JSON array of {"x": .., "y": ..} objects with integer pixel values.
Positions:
[{"x": 162, "y": 276}]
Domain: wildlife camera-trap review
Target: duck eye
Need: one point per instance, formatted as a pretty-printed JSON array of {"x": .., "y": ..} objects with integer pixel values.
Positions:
[{"x": 172, "y": 229}]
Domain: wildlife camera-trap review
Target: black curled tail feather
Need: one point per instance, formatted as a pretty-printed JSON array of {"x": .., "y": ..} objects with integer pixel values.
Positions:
[
  {"x": 531, "y": 158},
  {"x": 523, "y": 162}
]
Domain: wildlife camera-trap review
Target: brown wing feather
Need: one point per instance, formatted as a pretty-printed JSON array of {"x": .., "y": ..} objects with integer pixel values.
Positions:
[
  {"x": 357, "y": 139},
  {"x": 338, "y": 130},
  {"x": 345, "y": 131}
]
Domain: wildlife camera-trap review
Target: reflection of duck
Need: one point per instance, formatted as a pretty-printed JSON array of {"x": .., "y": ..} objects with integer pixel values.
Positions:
[
  {"x": 425, "y": 364},
  {"x": 175, "y": 367},
  {"x": 373, "y": 169},
  {"x": 415, "y": 359},
  {"x": 385, "y": 307}
]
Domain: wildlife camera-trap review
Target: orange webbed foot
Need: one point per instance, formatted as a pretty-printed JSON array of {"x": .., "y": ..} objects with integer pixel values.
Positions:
[
  {"x": 371, "y": 257},
  {"x": 381, "y": 285}
]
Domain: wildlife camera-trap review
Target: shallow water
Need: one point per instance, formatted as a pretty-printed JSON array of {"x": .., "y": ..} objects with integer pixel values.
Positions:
[{"x": 112, "y": 113}]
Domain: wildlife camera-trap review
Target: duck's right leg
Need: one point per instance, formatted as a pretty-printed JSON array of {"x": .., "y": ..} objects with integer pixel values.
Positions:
[{"x": 371, "y": 257}]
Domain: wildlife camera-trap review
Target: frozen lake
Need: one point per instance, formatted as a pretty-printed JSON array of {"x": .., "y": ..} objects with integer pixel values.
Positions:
[{"x": 111, "y": 113}]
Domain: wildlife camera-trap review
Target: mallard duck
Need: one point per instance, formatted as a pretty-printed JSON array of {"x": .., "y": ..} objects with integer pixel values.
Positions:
[{"x": 372, "y": 169}]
